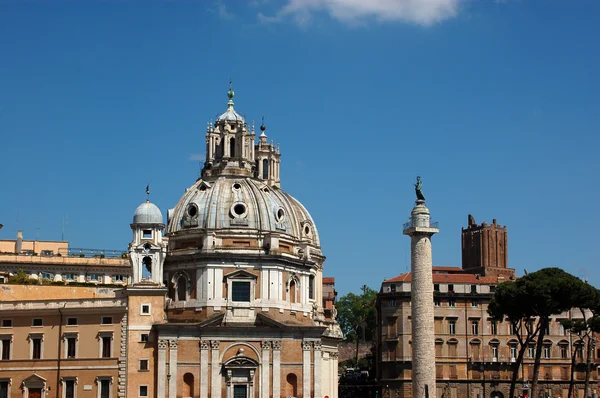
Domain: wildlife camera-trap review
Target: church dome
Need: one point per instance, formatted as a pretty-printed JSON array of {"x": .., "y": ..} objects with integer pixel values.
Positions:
[
  {"x": 147, "y": 213},
  {"x": 246, "y": 205}
]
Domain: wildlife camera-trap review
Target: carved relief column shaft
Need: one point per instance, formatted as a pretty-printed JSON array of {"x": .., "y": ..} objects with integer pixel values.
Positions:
[
  {"x": 276, "y": 368},
  {"x": 306, "y": 369},
  {"x": 173, "y": 368},
  {"x": 264, "y": 374},
  {"x": 215, "y": 382},
  {"x": 317, "y": 368},
  {"x": 204, "y": 369},
  {"x": 162, "y": 369}
]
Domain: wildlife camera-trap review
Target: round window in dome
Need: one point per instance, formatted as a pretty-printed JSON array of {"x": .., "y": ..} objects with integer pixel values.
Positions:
[
  {"x": 306, "y": 229},
  {"x": 239, "y": 210},
  {"x": 192, "y": 210},
  {"x": 237, "y": 186},
  {"x": 280, "y": 214}
]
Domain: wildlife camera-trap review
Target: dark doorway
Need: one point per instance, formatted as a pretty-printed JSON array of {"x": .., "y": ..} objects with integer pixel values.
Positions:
[
  {"x": 240, "y": 391},
  {"x": 35, "y": 393},
  {"x": 496, "y": 394}
]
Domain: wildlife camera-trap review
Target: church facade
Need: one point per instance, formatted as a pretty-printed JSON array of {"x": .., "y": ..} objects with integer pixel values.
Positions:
[{"x": 226, "y": 299}]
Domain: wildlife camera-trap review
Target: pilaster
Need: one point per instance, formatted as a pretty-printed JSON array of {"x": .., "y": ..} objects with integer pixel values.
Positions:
[
  {"x": 276, "y": 368},
  {"x": 161, "y": 376},
  {"x": 173, "y": 368},
  {"x": 264, "y": 384},
  {"x": 204, "y": 345},
  {"x": 317, "y": 368},
  {"x": 215, "y": 381},
  {"x": 306, "y": 369}
]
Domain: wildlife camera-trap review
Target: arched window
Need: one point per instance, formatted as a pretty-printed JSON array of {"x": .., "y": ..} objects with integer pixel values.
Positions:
[
  {"x": 232, "y": 147},
  {"x": 291, "y": 385},
  {"x": 147, "y": 270},
  {"x": 265, "y": 170},
  {"x": 181, "y": 288},
  {"x": 188, "y": 385},
  {"x": 292, "y": 291}
]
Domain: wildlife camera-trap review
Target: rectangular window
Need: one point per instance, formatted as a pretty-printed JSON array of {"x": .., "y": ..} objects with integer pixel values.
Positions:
[
  {"x": 93, "y": 277},
  {"x": 393, "y": 287},
  {"x": 68, "y": 277},
  {"x": 392, "y": 303},
  {"x": 451, "y": 303},
  {"x": 144, "y": 337},
  {"x": 143, "y": 365},
  {"x": 474, "y": 327},
  {"x": 71, "y": 344},
  {"x": 451, "y": 327},
  {"x": 143, "y": 391},
  {"x": 7, "y": 323},
  {"x": 311, "y": 287},
  {"x": 564, "y": 352},
  {"x": 70, "y": 388},
  {"x": 531, "y": 352},
  {"x": 473, "y": 288},
  {"x": 451, "y": 288},
  {"x": 493, "y": 327},
  {"x": 453, "y": 372},
  {"x": 71, "y": 321},
  {"x": 119, "y": 278},
  {"x": 106, "y": 345},
  {"x": 240, "y": 291},
  {"x": 436, "y": 302},
  {"x": 452, "y": 350},
  {"x": 547, "y": 352},
  {"x": 3, "y": 389},
  {"x": 106, "y": 320},
  {"x": 147, "y": 234},
  {"x": 495, "y": 351},
  {"x": 5, "y": 342},
  {"x": 513, "y": 351},
  {"x": 145, "y": 309},
  {"x": 47, "y": 253},
  {"x": 104, "y": 388},
  {"x": 436, "y": 287},
  {"x": 37, "y": 322},
  {"x": 492, "y": 289},
  {"x": 36, "y": 351},
  {"x": 474, "y": 303}
]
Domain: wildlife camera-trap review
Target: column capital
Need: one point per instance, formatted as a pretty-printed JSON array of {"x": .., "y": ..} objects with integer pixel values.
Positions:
[
  {"x": 214, "y": 344},
  {"x": 265, "y": 345},
  {"x": 162, "y": 344},
  {"x": 317, "y": 345},
  {"x": 173, "y": 344},
  {"x": 306, "y": 345},
  {"x": 204, "y": 345},
  {"x": 276, "y": 345}
]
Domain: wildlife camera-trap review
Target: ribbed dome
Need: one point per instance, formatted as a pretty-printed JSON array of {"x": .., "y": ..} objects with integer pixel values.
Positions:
[
  {"x": 241, "y": 204},
  {"x": 147, "y": 213}
]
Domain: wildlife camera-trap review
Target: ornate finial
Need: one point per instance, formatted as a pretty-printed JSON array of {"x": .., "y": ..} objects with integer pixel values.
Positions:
[
  {"x": 262, "y": 126},
  {"x": 148, "y": 193},
  {"x": 253, "y": 126},
  {"x": 230, "y": 93},
  {"x": 418, "y": 190}
]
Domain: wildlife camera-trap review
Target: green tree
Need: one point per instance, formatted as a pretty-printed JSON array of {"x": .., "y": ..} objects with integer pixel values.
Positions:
[
  {"x": 356, "y": 316},
  {"x": 536, "y": 296},
  {"x": 21, "y": 278}
]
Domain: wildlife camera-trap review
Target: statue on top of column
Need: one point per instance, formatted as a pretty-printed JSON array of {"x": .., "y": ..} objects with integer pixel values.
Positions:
[{"x": 418, "y": 191}]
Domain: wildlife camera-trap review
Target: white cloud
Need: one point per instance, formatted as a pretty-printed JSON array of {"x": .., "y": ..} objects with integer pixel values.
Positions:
[{"x": 420, "y": 12}]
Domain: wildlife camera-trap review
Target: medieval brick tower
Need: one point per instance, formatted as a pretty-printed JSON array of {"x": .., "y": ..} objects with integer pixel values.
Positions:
[{"x": 485, "y": 249}]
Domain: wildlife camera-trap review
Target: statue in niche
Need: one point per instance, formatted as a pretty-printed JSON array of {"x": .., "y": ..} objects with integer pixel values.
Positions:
[{"x": 418, "y": 191}]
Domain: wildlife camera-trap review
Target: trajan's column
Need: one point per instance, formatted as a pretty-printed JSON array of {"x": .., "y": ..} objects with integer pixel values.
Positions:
[{"x": 420, "y": 229}]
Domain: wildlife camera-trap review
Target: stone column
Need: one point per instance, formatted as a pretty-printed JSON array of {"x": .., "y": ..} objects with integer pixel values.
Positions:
[
  {"x": 264, "y": 374},
  {"x": 215, "y": 380},
  {"x": 276, "y": 369},
  {"x": 423, "y": 334},
  {"x": 204, "y": 369},
  {"x": 173, "y": 368},
  {"x": 306, "y": 369},
  {"x": 317, "y": 368},
  {"x": 334, "y": 370},
  {"x": 162, "y": 369}
]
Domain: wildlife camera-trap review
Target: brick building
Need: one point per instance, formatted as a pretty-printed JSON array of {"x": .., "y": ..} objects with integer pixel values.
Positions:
[{"x": 474, "y": 354}]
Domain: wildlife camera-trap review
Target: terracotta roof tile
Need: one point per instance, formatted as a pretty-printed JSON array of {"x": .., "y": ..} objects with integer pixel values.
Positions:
[
  {"x": 329, "y": 280},
  {"x": 451, "y": 277}
]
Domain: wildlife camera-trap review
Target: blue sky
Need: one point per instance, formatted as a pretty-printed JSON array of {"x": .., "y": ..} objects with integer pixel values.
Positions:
[{"x": 496, "y": 104}]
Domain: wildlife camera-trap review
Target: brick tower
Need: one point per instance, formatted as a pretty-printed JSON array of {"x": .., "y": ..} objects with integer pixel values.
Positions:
[{"x": 485, "y": 249}]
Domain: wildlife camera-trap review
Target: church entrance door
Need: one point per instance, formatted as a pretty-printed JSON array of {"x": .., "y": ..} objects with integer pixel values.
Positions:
[
  {"x": 240, "y": 391},
  {"x": 35, "y": 393}
]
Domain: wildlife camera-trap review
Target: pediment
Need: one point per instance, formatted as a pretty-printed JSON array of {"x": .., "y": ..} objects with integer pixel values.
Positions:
[
  {"x": 240, "y": 362},
  {"x": 241, "y": 274},
  {"x": 204, "y": 186},
  {"x": 215, "y": 320},
  {"x": 34, "y": 378},
  {"x": 264, "y": 320}
]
